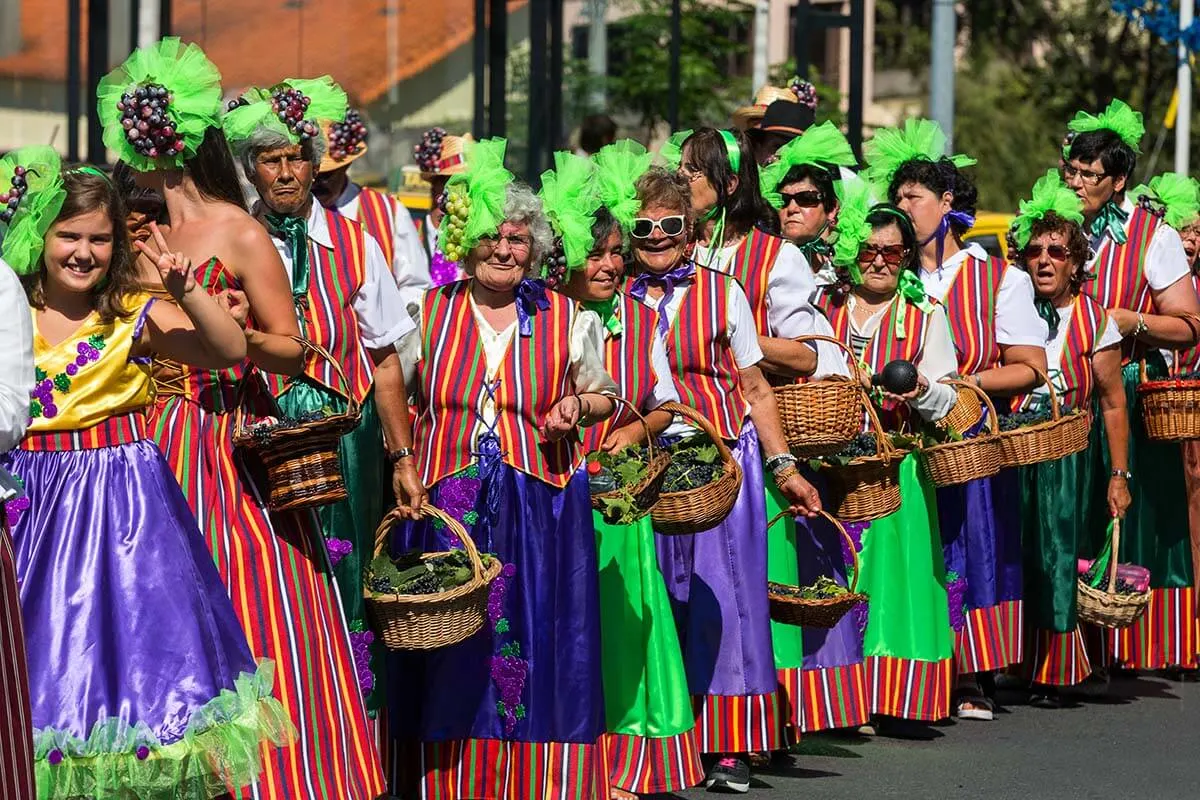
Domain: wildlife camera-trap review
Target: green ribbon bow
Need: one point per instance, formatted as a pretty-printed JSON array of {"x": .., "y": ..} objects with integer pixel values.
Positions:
[
  {"x": 607, "y": 311},
  {"x": 1112, "y": 219},
  {"x": 910, "y": 289},
  {"x": 1047, "y": 311},
  {"x": 294, "y": 231}
]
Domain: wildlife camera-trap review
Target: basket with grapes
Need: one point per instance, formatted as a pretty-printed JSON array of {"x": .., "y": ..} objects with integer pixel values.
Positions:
[
  {"x": 1171, "y": 407},
  {"x": 821, "y": 417},
  {"x": 1031, "y": 437},
  {"x": 636, "y": 475},
  {"x": 824, "y": 603},
  {"x": 959, "y": 460},
  {"x": 1118, "y": 604},
  {"x": 301, "y": 455},
  {"x": 423, "y": 601},
  {"x": 701, "y": 483},
  {"x": 864, "y": 476}
]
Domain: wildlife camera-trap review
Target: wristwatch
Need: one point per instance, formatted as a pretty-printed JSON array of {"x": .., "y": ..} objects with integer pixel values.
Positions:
[
  {"x": 395, "y": 455},
  {"x": 1122, "y": 473}
]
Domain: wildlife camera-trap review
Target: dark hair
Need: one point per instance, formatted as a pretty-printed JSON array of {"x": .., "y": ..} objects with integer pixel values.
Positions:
[
  {"x": 1077, "y": 243},
  {"x": 659, "y": 187},
  {"x": 595, "y": 131},
  {"x": 766, "y": 144},
  {"x": 745, "y": 208},
  {"x": 213, "y": 171},
  {"x": 603, "y": 225},
  {"x": 885, "y": 214},
  {"x": 939, "y": 177},
  {"x": 88, "y": 192},
  {"x": 1118, "y": 158},
  {"x": 820, "y": 177}
]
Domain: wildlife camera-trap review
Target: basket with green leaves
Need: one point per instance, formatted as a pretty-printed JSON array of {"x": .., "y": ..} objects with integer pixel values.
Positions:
[
  {"x": 1028, "y": 437},
  {"x": 824, "y": 603},
  {"x": 961, "y": 460},
  {"x": 423, "y": 601},
  {"x": 864, "y": 477},
  {"x": 823, "y": 416},
  {"x": 1101, "y": 597},
  {"x": 702, "y": 482},
  {"x": 637, "y": 472}
]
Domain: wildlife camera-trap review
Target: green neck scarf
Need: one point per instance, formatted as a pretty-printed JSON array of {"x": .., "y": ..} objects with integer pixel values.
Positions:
[
  {"x": 817, "y": 246},
  {"x": 294, "y": 231},
  {"x": 607, "y": 310},
  {"x": 1112, "y": 219}
]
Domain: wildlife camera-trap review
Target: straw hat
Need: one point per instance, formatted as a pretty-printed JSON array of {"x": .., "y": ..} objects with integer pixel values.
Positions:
[
  {"x": 748, "y": 117},
  {"x": 442, "y": 154},
  {"x": 336, "y": 159}
]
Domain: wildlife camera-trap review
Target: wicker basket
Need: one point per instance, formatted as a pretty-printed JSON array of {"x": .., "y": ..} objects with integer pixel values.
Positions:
[
  {"x": 821, "y": 417},
  {"x": 1107, "y": 608},
  {"x": 304, "y": 468},
  {"x": 1047, "y": 441},
  {"x": 645, "y": 492},
  {"x": 429, "y": 621},
  {"x": 696, "y": 510},
  {"x": 1170, "y": 408},
  {"x": 868, "y": 487},
  {"x": 954, "y": 463},
  {"x": 822, "y": 613},
  {"x": 966, "y": 411}
]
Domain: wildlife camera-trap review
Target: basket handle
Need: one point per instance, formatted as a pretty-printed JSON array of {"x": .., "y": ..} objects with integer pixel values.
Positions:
[
  {"x": 993, "y": 422},
  {"x": 695, "y": 416},
  {"x": 1113, "y": 557},
  {"x": 433, "y": 512},
  {"x": 1055, "y": 411},
  {"x": 852, "y": 359},
  {"x": 883, "y": 442},
  {"x": 840, "y": 529},
  {"x": 645, "y": 425}
]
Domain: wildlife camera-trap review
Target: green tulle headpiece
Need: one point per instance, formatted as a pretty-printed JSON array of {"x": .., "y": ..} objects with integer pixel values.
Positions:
[
  {"x": 852, "y": 228},
  {"x": 618, "y": 168},
  {"x": 570, "y": 199},
  {"x": 1050, "y": 195},
  {"x": 821, "y": 146},
  {"x": 475, "y": 199},
  {"x": 156, "y": 106},
  {"x": 1178, "y": 195},
  {"x": 892, "y": 148},
  {"x": 32, "y": 194},
  {"x": 1118, "y": 118},
  {"x": 672, "y": 150},
  {"x": 292, "y": 108}
]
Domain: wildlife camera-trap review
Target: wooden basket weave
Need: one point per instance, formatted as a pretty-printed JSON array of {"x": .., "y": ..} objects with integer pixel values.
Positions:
[
  {"x": 1047, "y": 441},
  {"x": 966, "y": 411},
  {"x": 954, "y": 463},
  {"x": 869, "y": 486},
  {"x": 1170, "y": 408},
  {"x": 430, "y": 621},
  {"x": 304, "y": 468},
  {"x": 815, "y": 613},
  {"x": 646, "y": 491},
  {"x": 1105, "y": 607},
  {"x": 821, "y": 417},
  {"x": 696, "y": 510}
]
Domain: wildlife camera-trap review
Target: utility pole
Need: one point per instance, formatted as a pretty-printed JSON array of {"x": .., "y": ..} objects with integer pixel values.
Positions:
[
  {"x": 941, "y": 69},
  {"x": 1183, "y": 116},
  {"x": 762, "y": 22},
  {"x": 597, "y": 11}
]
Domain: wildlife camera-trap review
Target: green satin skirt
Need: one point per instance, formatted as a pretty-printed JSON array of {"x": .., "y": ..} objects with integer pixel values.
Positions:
[{"x": 1055, "y": 514}]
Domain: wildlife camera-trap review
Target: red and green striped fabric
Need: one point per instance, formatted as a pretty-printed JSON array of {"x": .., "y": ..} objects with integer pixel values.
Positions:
[
  {"x": 738, "y": 723},
  {"x": 376, "y": 212},
  {"x": 971, "y": 306},
  {"x": 653, "y": 765},
  {"x": 1164, "y": 636},
  {"x": 1120, "y": 280},
  {"x": 751, "y": 266},
  {"x": 1084, "y": 328},
  {"x": 627, "y": 359},
  {"x": 122, "y": 429},
  {"x": 908, "y": 688},
  {"x": 991, "y": 639},
  {"x": 16, "y": 719}
]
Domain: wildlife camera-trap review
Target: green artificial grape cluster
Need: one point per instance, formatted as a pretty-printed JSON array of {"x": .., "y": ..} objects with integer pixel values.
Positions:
[{"x": 458, "y": 208}]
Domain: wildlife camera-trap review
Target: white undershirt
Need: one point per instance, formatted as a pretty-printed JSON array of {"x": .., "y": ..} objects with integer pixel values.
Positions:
[{"x": 1110, "y": 336}]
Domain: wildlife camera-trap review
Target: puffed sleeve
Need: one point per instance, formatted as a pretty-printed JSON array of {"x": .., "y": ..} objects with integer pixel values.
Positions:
[
  {"x": 1017, "y": 320},
  {"x": 1166, "y": 261},
  {"x": 938, "y": 361},
  {"x": 587, "y": 355},
  {"x": 379, "y": 306},
  {"x": 664, "y": 390}
]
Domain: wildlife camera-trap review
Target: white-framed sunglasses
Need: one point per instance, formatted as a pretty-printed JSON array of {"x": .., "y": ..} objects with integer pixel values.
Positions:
[{"x": 643, "y": 228}]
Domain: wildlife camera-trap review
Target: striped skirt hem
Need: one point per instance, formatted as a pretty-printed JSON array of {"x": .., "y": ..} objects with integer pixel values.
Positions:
[
  {"x": 1164, "y": 636},
  {"x": 729, "y": 724},
  {"x": 16, "y": 721},
  {"x": 1058, "y": 659},
  {"x": 789, "y": 703},
  {"x": 834, "y": 697},
  {"x": 909, "y": 689},
  {"x": 653, "y": 765},
  {"x": 991, "y": 639}
]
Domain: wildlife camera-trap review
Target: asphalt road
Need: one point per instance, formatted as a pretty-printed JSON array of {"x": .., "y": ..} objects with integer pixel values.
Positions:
[{"x": 1140, "y": 743}]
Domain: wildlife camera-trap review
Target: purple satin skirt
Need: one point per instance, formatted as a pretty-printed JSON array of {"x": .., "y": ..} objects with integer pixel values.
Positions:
[
  {"x": 717, "y": 581},
  {"x": 125, "y": 614},
  {"x": 533, "y": 672}
]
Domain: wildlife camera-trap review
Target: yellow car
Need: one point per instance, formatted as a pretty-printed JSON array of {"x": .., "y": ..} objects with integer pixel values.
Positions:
[{"x": 991, "y": 232}]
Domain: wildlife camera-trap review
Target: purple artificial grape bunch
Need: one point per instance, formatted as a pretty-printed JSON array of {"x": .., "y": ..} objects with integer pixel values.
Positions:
[
  {"x": 146, "y": 118},
  {"x": 12, "y": 198},
  {"x": 554, "y": 268},
  {"x": 290, "y": 106},
  {"x": 805, "y": 92},
  {"x": 429, "y": 151},
  {"x": 349, "y": 136}
]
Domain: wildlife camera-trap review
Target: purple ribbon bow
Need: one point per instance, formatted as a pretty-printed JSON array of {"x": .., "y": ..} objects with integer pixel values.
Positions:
[
  {"x": 943, "y": 229},
  {"x": 531, "y": 298},
  {"x": 668, "y": 281}
]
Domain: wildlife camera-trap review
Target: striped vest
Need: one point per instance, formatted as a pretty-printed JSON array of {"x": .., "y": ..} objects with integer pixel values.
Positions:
[
  {"x": 698, "y": 349},
  {"x": 627, "y": 360},
  {"x": 452, "y": 376},
  {"x": 377, "y": 213},
  {"x": 1187, "y": 361},
  {"x": 1120, "y": 280},
  {"x": 335, "y": 276},
  {"x": 1075, "y": 376},
  {"x": 751, "y": 265},
  {"x": 971, "y": 306}
]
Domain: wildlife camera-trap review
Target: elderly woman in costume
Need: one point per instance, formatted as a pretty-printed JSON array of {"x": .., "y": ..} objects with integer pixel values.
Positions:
[
  {"x": 142, "y": 681},
  {"x": 273, "y": 565},
  {"x": 998, "y": 337},
  {"x": 704, "y": 318},
  {"x": 505, "y": 375},
  {"x": 1143, "y": 278},
  {"x": 1083, "y": 350},
  {"x": 650, "y": 730}
]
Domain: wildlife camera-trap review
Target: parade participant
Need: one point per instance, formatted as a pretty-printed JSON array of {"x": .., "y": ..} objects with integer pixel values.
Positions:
[
  {"x": 998, "y": 337},
  {"x": 347, "y": 303},
  {"x": 882, "y": 314},
  {"x": 748, "y": 117},
  {"x": 505, "y": 373},
  {"x": 439, "y": 156},
  {"x": 273, "y": 565},
  {"x": 783, "y": 120},
  {"x": 596, "y": 131},
  {"x": 1048, "y": 242},
  {"x": 142, "y": 682},
  {"x": 383, "y": 216},
  {"x": 712, "y": 342},
  {"x": 650, "y": 738},
  {"x": 1142, "y": 279}
]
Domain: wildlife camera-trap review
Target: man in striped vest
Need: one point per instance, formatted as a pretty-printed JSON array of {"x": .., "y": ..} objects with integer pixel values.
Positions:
[{"x": 385, "y": 218}]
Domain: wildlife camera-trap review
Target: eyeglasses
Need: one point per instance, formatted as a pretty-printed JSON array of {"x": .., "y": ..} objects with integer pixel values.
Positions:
[
  {"x": 1085, "y": 176},
  {"x": 643, "y": 227},
  {"x": 892, "y": 254},
  {"x": 515, "y": 241},
  {"x": 1033, "y": 252},
  {"x": 692, "y": 174},
  {"x": 807, "y": 199}
]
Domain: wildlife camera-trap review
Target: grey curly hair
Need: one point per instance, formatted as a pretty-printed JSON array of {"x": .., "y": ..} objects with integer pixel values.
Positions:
[
  {"x": 264, "y": 139},
  {"x": 523, "y": 207}
]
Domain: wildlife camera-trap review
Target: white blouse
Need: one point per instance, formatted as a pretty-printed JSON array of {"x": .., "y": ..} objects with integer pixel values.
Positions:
[{"x": 1110, "y": 336}]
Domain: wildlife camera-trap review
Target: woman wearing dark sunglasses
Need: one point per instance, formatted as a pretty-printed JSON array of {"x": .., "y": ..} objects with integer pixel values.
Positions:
[{"x": 1084, "y": 351}]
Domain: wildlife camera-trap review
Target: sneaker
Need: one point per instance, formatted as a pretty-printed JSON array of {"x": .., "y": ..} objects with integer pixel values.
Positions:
[{"x": 728, "y": 775}]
